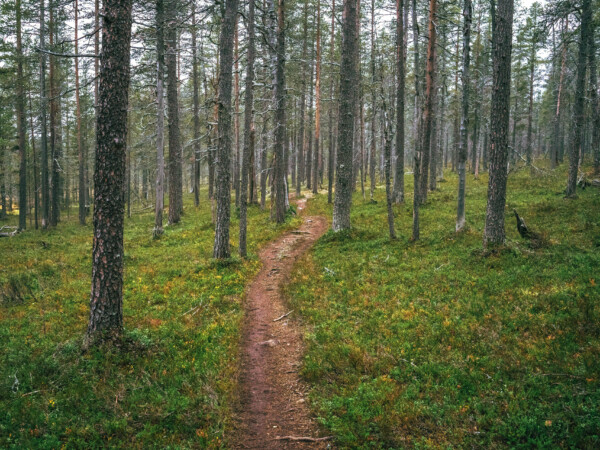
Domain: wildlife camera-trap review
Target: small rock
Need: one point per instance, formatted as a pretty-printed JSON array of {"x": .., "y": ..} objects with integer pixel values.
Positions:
[{"x": 270, "y": 343}]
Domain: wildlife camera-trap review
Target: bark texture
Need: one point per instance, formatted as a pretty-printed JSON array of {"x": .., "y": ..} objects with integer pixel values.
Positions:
[
  {"x": 175, "y": 151},
  {"x": 494, "y": 233},
  {"x": 248, "y": 130},
  {"x": 398, "y": 193},
  {"x": 348, "y": 80},
  {"x": 160, "y": 119},
  {"x": 279, "y": 166},
  {"x": 43, "y": 123},
  {"x": 579, "y": 106},
  {"x": 464, "y": 122},
  {"x": 106, "y": 300},
  {"x": 223, "y": 156},
  {"x": 21, "y": 127}
]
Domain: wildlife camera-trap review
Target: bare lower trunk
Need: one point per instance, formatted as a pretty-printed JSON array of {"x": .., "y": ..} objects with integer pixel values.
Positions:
[
  {"x": 175, "y": 151},
  {"x": 464, "y": 123},
  {"x": 494, "y": 233},
  {"x": 223, "y": 196},
  {"x": 578, "y": 109},
  {"x": 398, "y": 194},
  {"x": 248, "y": 130},
  {"x": 196, "y": 105},
  {"x": 316, "y": 156},
  {"x": 279, "y": 164},
  {"x": 348, "y": 76},
  {"x": 428, "y": 111},
  {"x": 160, "y": 120},
  {"x": 106, "y": 300},
  {"x": 332, "y": 106},
  {"x": 21, "y": 128}
]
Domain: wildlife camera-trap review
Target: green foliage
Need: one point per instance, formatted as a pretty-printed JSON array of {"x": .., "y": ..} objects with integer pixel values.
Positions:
[
  {"x": 168, "y": 382},
  {"x": 435, "y": 344}
]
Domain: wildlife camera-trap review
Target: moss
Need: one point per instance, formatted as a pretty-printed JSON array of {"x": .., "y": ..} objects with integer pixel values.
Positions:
[
  {"x": 169, "y": 381},
  {"x": 439, "y": 344}
]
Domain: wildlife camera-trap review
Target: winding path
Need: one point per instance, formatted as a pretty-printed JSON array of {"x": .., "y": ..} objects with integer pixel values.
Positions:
[{"x": 273, "y": 410}]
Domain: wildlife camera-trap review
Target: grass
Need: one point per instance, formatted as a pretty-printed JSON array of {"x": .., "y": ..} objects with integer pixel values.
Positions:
[
  {"x": 170, "y": 383},
  {"x": 434, "y": 344}
]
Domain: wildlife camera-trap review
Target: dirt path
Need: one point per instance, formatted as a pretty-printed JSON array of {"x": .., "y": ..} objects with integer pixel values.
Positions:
[{"x": 272, "y": 395}]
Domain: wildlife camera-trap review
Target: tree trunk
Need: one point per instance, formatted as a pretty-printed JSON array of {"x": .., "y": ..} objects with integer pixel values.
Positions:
[
  {"x": 494, "y": 233},
  {"x": 348, "y": 80},
  {"x": 21, "y": 125},
  {"x": 302, "y": 133},
  {"x": 578, "y": 108},
  {"x": 398, "y": 194},
  {"x": 236, "y": 121},
  {"x": 332, "y": 105},
  {"x": 35, "y": 169},
  {"x": 160, "y": 119},
  {"x": 464, "y": 123},
  {"x": 196, "y": 101},
  {"x": 106, "y": 300},
  {"x": 316, "y": 156},
  {"x": 280, "y": 128},
  {"x": 175, "y": 151},
  {"x": 43, "y": 109},
  {"x": 223, "y": 185},
  {"x": 248, "y": 129},
  {"x": 80, "y": 155},
  {"x": 529, "y": 147},
  {"x": 421, "y": 179},
  {"x": 595, "y": 104},
  {"x": 309, "y": 147},
  {"x": 372, "y": 147}
]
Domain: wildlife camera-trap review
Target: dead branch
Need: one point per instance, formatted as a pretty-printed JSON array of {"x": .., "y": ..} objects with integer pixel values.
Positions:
[
  {"x": 9, "y": 234},
  {"x": 302, "y": 438},
  {"x": 285, "y": 315}
]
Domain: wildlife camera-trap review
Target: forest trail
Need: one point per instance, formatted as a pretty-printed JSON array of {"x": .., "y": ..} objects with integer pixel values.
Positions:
[{"x": 272, "y": 405}]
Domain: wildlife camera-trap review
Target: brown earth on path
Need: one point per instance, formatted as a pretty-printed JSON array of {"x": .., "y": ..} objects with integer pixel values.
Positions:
[{"x": 273, "y": 410}]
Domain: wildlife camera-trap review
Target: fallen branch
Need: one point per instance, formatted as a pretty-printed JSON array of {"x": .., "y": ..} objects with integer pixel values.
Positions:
[
  {"x": 193, "y": 310},
  {"x": 281, "y": 317},
  {"x": 302, "y": 438},
  {"x": 10, "y": 234}
]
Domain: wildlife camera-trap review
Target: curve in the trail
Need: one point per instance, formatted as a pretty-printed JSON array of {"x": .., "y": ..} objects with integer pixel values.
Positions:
[{"x": 273, "y": 412}]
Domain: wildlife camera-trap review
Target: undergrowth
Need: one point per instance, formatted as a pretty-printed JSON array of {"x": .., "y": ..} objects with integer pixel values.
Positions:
[
  {"x": 168, "y": 382},
  {"x": 437, "y": 344}
]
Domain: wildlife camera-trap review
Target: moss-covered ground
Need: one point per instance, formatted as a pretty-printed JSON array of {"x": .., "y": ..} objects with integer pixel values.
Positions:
[
  {"x": 170, "y": 382},
  {"x": 435, "y": 344}
]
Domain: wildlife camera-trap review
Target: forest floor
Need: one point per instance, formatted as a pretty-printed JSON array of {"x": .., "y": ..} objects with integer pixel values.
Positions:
[
  {"x": 432, "y": 344},
  {"x": 436, "y": 344},
  {"x": 172, "y": 382},
  {"x": 273, "y": 412}
]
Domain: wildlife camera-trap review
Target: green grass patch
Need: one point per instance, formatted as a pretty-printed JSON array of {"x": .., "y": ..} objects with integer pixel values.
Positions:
[
  {"x": 171, "y": 380},
  {"x": 434, "y": 344}
]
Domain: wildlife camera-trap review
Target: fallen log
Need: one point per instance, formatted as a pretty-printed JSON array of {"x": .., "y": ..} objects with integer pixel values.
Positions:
[{"x": 9, "y": 234}]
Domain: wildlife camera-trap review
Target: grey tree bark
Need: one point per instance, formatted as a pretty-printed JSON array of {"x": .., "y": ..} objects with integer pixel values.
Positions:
[
  {"x": 348, "y": 75},
  {"x": 280, "y": 128},
  {"x": 494, "y": 233},
  {"x": 578, "y": 108},
  {"x": 160, "y": 119},
  {"x": 175, "y": 150},
  {"x": 223, "y": 167},
  {"x": 43, "y": 111},
  {"x": 398, "y": 193},
  {"x": 464, "y": 122},
  {"x": 21, "y": 126},
  {"x": 248, "y": 130}
]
